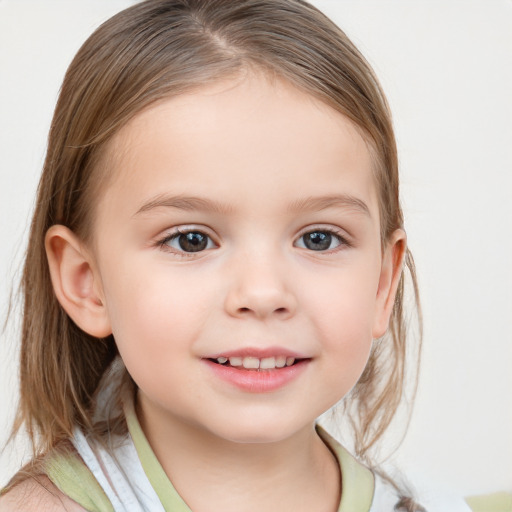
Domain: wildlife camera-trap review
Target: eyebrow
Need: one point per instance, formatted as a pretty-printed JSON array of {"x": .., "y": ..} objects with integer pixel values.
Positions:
[
  {"x": 192, "y": 203},
  {"x": 333, "y": 201},
  {"x": 187, "y": 203}
]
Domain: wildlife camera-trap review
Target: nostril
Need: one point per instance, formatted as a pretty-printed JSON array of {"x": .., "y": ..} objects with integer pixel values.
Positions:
[{"x": 278, "y": 310}]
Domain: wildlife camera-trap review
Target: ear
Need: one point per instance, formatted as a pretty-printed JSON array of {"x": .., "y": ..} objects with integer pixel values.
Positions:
[
  {"x": 391, "y": 271},
  {"x": 76, "y": 282}
]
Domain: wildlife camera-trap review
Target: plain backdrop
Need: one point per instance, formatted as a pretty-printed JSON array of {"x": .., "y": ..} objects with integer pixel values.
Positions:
[{"x": 447, "y": 69}]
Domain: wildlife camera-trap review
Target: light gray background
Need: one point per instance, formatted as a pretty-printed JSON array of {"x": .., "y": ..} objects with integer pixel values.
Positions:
[{"x": 446, "y": 66}]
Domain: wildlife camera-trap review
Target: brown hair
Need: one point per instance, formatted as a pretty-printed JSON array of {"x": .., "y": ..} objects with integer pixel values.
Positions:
[{"x": 151, "y": 51}]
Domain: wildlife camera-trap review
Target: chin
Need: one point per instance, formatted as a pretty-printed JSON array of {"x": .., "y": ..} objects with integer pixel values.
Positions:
[{"x": 260, "y": 430}]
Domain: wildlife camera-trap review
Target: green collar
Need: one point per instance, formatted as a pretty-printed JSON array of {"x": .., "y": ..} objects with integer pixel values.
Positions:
[{"x": 357, "y": 480}]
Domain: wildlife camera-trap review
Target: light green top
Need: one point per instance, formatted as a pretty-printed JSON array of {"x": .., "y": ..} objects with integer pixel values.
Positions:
[
  {"x": 497, "y": 502},
  {"x": 74, "y": 479}
]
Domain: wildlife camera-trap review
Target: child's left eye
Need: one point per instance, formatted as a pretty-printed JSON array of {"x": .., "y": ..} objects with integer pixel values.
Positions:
[
  {"x": 320, "y": 240},
  {"x": 189, "y": 241}
]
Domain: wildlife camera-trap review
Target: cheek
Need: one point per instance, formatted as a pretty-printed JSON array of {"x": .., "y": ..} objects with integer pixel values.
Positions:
[
  {"x": 347, "y": 342},
  {"x": 155, "y": 313},
  {"x": 343, "y": 304},
  {"x": 343, "y": 317},
  {"x": 346, "y": 333}
]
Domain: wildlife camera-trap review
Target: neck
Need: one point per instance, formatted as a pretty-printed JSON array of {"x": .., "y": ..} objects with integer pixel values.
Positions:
[{"x": 299, "y": 471}]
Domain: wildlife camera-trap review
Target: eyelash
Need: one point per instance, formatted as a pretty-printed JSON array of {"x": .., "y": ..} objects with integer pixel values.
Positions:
[
  {"x": 163, "y": 243},
  {"x": 335, "y": 233}
]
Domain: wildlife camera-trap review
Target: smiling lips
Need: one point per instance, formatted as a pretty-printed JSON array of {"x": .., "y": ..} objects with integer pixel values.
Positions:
[
  {"x": 258, "y": 371},
  {"x": 255, "y": 363}
]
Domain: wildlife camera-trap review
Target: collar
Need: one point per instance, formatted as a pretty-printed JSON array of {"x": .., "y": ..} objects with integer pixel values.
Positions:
[{"x": 357, "y": 481}]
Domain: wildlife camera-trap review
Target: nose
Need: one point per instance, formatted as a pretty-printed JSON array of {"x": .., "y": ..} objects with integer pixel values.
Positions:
[{"x": 258, "y": 289}]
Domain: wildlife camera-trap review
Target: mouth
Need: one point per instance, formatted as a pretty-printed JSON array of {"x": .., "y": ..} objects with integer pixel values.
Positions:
[
  {"x": 256, "y": 363},
  {"x": 258, "y": 370}
]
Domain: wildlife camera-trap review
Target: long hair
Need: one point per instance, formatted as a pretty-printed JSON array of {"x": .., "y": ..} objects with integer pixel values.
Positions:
[{"x": 155, "y": 50}]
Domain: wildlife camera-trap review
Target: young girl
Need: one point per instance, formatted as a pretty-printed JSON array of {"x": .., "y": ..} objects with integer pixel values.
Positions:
[{"x": 215, "y": 260}]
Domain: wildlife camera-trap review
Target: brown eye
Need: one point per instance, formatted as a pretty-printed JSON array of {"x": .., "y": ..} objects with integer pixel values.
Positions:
[{"x": 193, "y": 241}]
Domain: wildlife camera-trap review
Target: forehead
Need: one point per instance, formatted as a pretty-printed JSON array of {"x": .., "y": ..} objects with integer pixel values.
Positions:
[{"x": 240, "y": 139}]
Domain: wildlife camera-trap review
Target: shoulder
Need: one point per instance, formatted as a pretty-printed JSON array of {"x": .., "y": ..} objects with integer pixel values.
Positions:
[{"x": 37, "y": 494}]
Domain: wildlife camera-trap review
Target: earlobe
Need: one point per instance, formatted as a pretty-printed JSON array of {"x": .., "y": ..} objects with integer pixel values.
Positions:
[
  {"x": 76, "y": 282},
  {"x": 391, "y": 272}
]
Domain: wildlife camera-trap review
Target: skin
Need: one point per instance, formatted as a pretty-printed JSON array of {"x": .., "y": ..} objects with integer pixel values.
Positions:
[
  {"x": 37, "y": 495},
  {"x": 270, "y": 158}
]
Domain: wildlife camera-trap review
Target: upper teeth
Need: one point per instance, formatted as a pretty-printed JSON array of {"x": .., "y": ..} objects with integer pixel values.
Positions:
[{"x": 253, "y": 363}]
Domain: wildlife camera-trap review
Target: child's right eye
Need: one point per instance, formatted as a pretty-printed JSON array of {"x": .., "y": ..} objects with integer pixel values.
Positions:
[{"x": 188, "y": 241}]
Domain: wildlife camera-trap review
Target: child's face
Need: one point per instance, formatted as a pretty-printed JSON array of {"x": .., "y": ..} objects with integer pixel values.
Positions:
[{"x": 282, "y": 258}]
